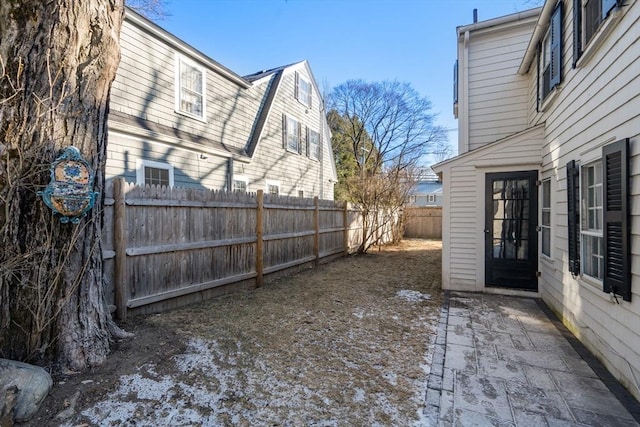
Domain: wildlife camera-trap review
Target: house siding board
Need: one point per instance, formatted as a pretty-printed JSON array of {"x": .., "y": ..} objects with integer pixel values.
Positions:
[
  {"x": 491, "y": 76},
  {"x": 189, "y": 170}
]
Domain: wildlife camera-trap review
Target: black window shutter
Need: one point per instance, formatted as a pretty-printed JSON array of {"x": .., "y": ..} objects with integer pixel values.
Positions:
[
  {"x": 577, "y": 31},
  {"x": 573, "y": 217},
  {"x": 455, "y": 82},
  {"x": 556, "y": 47},
  {"x": 616, "y": 230},
  {"x": 285, "y": 134}
]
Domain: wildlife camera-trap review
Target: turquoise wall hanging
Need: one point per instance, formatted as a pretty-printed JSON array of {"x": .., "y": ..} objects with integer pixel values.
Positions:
[{"x": 70, "y": 193}]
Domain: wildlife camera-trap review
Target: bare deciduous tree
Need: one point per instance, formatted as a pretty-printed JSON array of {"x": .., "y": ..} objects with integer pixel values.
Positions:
[
  {"x": 389, "y": 128},
  {"x": 57, "y": 62}
]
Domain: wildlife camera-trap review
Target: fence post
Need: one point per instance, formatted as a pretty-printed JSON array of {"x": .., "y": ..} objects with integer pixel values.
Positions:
[
  {"x": 316, "y": 224},
  {"x": 120, "y": 247},
  {"x": 345, "y": 219},
  {"x": 259, "y": 241}
]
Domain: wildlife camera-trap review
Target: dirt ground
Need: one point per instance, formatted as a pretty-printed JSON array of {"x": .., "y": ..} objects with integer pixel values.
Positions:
[{"x": 347, "y": 343}]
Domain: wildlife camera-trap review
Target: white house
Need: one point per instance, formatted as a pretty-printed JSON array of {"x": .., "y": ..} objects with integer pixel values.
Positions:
[{"x": 547, "y": 186}]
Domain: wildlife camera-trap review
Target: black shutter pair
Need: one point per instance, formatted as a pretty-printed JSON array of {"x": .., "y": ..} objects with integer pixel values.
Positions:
[{"x": 617, "y": 225}]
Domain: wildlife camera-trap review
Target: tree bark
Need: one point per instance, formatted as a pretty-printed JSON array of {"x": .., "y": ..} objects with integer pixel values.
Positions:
[{"x": 59, "y": 58}]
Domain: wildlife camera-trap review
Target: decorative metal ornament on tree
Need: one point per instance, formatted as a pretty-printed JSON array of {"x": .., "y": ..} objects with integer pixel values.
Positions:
[{"x": 70, "y": 191}]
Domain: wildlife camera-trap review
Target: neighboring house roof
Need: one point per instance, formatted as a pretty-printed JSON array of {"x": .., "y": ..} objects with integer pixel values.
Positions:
[
  {"x": 432, "y": 187},
  {"x": 142, "y": 22},
  {"x": 532, "y": 135}
]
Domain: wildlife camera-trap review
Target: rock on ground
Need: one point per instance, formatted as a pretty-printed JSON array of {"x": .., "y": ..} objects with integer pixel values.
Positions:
[{"x": 23, "y": 388}]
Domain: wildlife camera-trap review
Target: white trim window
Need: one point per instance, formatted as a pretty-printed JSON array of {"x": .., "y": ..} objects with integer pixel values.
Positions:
[
  {"x": 240, "y": 184},
  {"x": 592, "y": 220},
  {"x": 301, "y": 193},
  {"x": 150, "y": 172},
  {"x": 545, "y": 220},
  {"x": 314, "y": 145},
  {"x": 592, "y": 21},
  {"x": 431, "y": 198},
  {"x": 303, "y": 90},
  {"x": 272, "y": 187},
  {"x": 292, "y": 132},
  {"x": 190, "y": 88},
  {"x": 595, "y": 12}
]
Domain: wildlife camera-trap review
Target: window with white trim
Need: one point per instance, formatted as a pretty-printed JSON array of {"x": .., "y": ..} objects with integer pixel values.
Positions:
[
  {"x": 149, "y": 172},
  {"x": 545, "y": 222},
  {"x": 240, "y": 183},
  {"x": 314, "y": 144},
  {"x": 595, "y": 12},
  {"x": 591, "y": 216},
  {"x": 292, "y": 134},
  {"x": 589, "y": 17},
  {"x": 431, "y": 198},
  {"x": 301, "y": 193},
  {"x": 190, "y": 88},
  {"x": 303, "y": 90},
  {"x": 273, "y": 187}
]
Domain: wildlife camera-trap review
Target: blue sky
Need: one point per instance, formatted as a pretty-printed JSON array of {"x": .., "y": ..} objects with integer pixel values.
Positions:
[{"x": 411, "y": 41}]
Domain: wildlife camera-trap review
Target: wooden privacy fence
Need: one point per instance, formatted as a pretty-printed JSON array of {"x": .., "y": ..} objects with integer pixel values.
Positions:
[
  {"x": 164, "y": 247},
  {"x": 423, "y": 222}
]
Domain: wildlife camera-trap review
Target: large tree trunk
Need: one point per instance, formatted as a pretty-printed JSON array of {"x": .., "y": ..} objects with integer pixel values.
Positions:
[{"x": 59, "y": 58}]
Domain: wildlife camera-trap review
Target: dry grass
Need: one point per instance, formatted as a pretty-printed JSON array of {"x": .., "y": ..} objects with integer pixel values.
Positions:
[{"x": 343, "y": 344}]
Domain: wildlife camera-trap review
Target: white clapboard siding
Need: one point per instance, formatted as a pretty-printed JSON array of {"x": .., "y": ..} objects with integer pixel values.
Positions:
[
  {"x": 492, "y": 76},
  {"x": 598, "y": 103}
]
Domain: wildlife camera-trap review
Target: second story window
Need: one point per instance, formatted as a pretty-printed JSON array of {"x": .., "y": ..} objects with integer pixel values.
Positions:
[
  {"x": 589, "y": 17},
  {"x": 595, "y": 12},
  {"x": 190, "y": 89},
  {"x": 292, "y": 134},
  {"x": 551, "y": 54},
  {"x": 314, "y": 144},
  {"x": 303, "y": 90}
]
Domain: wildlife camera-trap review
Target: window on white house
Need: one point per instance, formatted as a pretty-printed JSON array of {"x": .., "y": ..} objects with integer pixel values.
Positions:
[
  {"x": 591, "y": 215},
  {"x": 588, "y": 17},
  {"x": 545, "y": 223},
  {"x": 292, "y": 134},
  {"x": 551, "y": 54},
  {"x": 314, "y": 144},
  {"x": 431, "y": 198},
  {"x": 301, "y": 194},
  {"x": 599, "y": 219},
  {"x": 190, "y": 88},
  {"x": 149, "y": 172},
  {"x": 303, "y": 90},
  {"x": 273, "y": 187},
  {"x": 595, "y": 13},
  {"x": 241, "y": 184}
]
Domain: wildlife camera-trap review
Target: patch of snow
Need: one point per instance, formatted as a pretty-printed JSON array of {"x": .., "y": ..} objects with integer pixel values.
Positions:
[{"x": 413, "y": 296}]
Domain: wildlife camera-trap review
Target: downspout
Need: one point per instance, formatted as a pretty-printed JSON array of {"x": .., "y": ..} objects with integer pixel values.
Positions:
[
  {"x": 230, "y": 174},
  {"x": 538, "y": 33},
  {"x": 463, "y": 143},
  {"x": 320, "y": 151}
]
